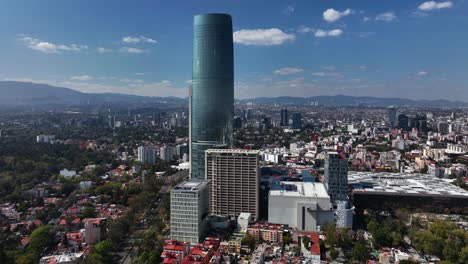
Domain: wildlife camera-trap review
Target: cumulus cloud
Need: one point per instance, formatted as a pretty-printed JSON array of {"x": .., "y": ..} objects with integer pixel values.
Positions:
[
  {"x": 103, "y": 50},
  {"x": 432, "y": 5},
  {"x": 320, "y": 33},
  {"x": 139, "y": 39},
  {"x": 48, "y": 47},
  {"x": 332, "y": 15},
  {"x": 81, "y": 78},
  {"x": 262, "y": 37},
  {"x": 288, "y": 71},
  {"x": 131, "y": 50},
  {"x": 387, "y": 17}
]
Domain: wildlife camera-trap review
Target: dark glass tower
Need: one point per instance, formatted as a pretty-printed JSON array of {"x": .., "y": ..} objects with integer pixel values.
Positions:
[{"x": 212, "y": 94}]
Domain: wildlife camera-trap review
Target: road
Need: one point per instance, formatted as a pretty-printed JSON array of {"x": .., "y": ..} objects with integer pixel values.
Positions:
[{"x": 131, "y": 250}]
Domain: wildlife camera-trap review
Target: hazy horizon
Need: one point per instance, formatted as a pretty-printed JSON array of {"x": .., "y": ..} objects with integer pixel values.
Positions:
[{"x": 409, "y": 50}]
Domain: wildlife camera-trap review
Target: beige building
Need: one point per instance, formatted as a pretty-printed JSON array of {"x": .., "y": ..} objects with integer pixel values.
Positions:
[{"x": 234, "y": 175}]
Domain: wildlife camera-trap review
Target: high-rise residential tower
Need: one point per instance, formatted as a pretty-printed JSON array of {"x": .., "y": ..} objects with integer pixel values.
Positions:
[
  {"x": 212, "y": 92},
  {"x": 234, "y": 176},
  {"x": 336, "y": 176}
]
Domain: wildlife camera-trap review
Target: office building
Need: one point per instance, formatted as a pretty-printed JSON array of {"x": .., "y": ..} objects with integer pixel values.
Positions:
[
  {"x": 234, "y": 176},
  {"x": 301, "y": 205},
  {"x": 392, "y": 117},
  {"x": 181, "y": 150},
  {"x": 147, "y": 154},
  {"x": 284, "y": 117},
  {"x": 336, "y": 176},
  {"x": 189, "y": 207},
  {"x": 443, "y": 128},
  {"x": 403, "y": 121},
  {"x": 296, "y": 121},
  {"x": 212, "y": 92}
]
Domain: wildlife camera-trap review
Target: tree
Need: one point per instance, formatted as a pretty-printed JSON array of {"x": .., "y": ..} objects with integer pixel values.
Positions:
[
  {"x": 101, "y": 252},
  {"x": 333, "y": 253},
  {"x": 305, "y": 241},
  {"x": 88, "y": 212},
  {"x": 249, "y": 241},
  {"x": 359, "y": 251}
]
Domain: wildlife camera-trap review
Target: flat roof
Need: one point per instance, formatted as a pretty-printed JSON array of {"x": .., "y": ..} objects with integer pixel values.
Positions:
[
  {"x": 234, "y": 151},
  {"x": 299, "y": 189},
  {"x": 403, "y": 183},
  {"x": 191, "y": 185}
]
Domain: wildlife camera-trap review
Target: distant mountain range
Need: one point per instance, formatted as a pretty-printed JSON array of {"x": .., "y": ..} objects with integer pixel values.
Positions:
[
  {"x": 345, "y": 100},
  {"x": 25, "y": 93}
]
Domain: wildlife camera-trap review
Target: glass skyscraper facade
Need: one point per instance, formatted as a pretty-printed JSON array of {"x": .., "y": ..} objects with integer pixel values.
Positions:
[{"x": 212, "y": 93}]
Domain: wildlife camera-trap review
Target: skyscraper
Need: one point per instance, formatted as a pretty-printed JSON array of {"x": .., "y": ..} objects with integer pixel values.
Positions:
[
  {"x": 284, "y": 117},
  {"x": 296, "y": 121},
  {"x": 392, "y": 117},
  {"x": 212, "y": 92},
  {"x": 336, "y": 176}
]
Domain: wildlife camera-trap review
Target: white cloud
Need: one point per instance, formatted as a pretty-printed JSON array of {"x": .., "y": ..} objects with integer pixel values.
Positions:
[
  {"x": 288, "y": 71},
  {"x": 288, "y": 10},
  {"x": 48, "y": 47},
  {"x": 422, "y": 73},
  {"x": 262, "y": 37},
  {"x": 332, "y": 15},
  {"x": 139, "y": 73},
  {"x": 81, "y": 78},
  {"x": 103, "y": 50},
  {"x": 366, "y": 19},
  {"x": 305, "y": 29},
  {"x": 387, "y": 17},
  {"x": 329, "y": 68},
  {"x": 432, "y": 5},
  {"x": 131, "y": 50},
  {"x": 327, "y": 74},
  {"x": 320, "y": 33},
  {"x": 139, "y": 39}
]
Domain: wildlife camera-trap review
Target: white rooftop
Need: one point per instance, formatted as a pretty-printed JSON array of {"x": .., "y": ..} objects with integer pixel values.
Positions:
[
  {"x": 403, "y": 183},
  {"x": 299, "y": 189}
]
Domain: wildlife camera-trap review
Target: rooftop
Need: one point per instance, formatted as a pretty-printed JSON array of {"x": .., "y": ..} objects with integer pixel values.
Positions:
[
  {"x": 403, "y": 183},
  {"x": 191, "y": 185},
  {"x": 299, "y": 189},
  {"x": 233, "y": 151}
]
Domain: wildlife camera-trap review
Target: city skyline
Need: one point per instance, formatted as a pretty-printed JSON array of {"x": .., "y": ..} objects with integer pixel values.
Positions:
[{"x": 387, "y": 49}]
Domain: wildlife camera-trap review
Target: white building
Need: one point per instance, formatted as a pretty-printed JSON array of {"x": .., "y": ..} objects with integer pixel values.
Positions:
[
  {"x": 243, "y": 221},
  {"x": 147, "y": 154},
  {"x": 189, "y": 207},
  {"x": 167, "y": 153},
  {"x": 50, "y": 139},
  {"x": 301, "y": 205},
  {"x": 67, "y": 173}
]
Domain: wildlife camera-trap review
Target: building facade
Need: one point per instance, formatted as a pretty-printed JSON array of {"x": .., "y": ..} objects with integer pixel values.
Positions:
[
  {"x": 189, "y": 207},
  {"x": 301, "y": 205},
  {"x": 212, "y": 92},
  {"x": 336, "y": 176},
  {"x": 147, "y": 154},
  {"x": 234, "y": 176}
]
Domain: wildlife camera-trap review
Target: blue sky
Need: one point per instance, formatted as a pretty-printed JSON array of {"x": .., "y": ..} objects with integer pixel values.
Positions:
[{"x": 384, "y": 48}]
